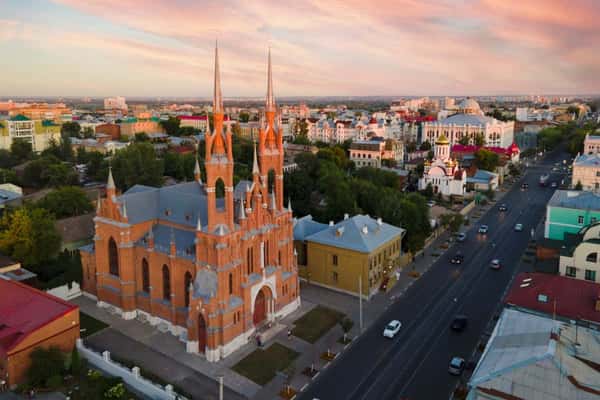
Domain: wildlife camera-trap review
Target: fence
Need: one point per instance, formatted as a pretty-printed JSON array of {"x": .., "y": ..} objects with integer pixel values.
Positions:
[
  {"x": 131, "y": 376},
  {"x": 467, "y": 209}
]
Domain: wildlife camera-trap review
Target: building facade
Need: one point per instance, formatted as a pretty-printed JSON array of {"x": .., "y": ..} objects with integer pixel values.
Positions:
[
  {"x": 579, "y": 257},
  {"x": 37, "y": 132},
  {"x": 338, "y": 256},
  {"x": 210, "y": 262},
  {"x": 568, "y": 211},
  {"x": 591, "y": 144},
  {"x": 586, "y": 171},
  {"x": 443, "y": 173}
]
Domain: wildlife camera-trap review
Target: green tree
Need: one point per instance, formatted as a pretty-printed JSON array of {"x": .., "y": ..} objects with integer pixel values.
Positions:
[
  {"x": 8, "y": 176},
  {"x": 480, "y": 140},
  {"x": 578, "y": 186},
  {"x": 88, "y": 133},
  {"x": 48, "y": 171},
  {"x": 7, "y": 160},
  {"x": 70, "y": 129},
  {"x": 487, "y": 160},
  {"x": 171, "y": 126},
  {"x": 452, "y": 221},
  {"x": 464, "y": 140},
  {"x": 137, "y": 164},
  {"x": 66, "y": 201},
  {"x": 21, "y": 150},
  {"x": 187, "y": 131},
  {"x": 45, "y": 364},
  {"x": 29, "y": 235},
  {"x": 142, "y": 137},
  {"x": 244, "y": 117},
  {"x": 425, "y": 146}
]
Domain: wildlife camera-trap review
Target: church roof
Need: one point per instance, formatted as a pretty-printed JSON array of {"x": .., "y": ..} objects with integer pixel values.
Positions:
[
  {"x": 182, "y": 204},
  {"x": 467, "y": 119}
]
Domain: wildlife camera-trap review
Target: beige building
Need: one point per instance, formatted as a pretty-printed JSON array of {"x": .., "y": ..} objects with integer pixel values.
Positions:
[
  {"x": 579, "y": 258},
  {"x": 586, "y": 170},
  {"x": 356, "y": 251},
  {"x": 37, "y": 132}
]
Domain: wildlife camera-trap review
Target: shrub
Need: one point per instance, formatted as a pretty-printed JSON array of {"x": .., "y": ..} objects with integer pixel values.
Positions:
[
  {"x": 54, "y": 382},
  {"x": 45, "y": 364}
]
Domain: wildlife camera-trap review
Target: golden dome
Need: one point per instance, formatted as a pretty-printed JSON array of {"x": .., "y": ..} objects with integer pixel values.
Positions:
[{"x": 442, "y": 139}]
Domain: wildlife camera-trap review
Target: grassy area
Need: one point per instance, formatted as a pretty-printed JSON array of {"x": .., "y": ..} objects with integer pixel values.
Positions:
[
  {"x": 315, "y": 323},
  {"x": 260, "y": 365},
  {"x": 89, "y": 325}
]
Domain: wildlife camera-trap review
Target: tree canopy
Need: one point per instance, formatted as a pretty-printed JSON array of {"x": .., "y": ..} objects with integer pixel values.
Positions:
[
  {"x": 48, "y": 171},
  {"x": 21, "y": 150},
  {"x": 137, "y": 164},
  {"x": 486, "y": 159},
  {"x": 66, "y": 201}
]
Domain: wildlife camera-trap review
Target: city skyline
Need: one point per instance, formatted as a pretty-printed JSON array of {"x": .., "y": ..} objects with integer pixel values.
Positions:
[{"x": 160, "y": 48}]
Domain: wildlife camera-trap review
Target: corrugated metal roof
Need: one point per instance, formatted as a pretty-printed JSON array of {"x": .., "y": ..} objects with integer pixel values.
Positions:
[{"x": 576, "y": 199}]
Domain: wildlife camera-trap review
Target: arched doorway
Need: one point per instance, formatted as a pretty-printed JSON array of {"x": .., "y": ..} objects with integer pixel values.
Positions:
[
  {"x": 260, "y": 308},
  {"x": 201, "y": 334}
]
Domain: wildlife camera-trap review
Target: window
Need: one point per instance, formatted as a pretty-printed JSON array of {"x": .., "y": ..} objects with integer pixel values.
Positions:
[
  {"x": 166, "y": 283},
  {"x": 187, "y": 281},
  {"x": 571, "y": 272},
  {"x": 593, "y": 220},
  {"x": 597, "y": 173},
  {"x": 230, "y": 283},
  {"x": 279, "y": 257},
  {"x": 250, "y": 260},
  {"x": 590, "y": 275},
  {"x": 145, "y": 276},
  {"x": 335, "y": 259},
  {"x": 592, "y": 257},
  {"x": 113, "y": 257},
  {"x": 580, "y": 219},
  {"x": 334, "y": 277}
]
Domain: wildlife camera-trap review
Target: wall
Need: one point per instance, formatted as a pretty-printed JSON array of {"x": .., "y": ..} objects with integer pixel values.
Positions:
[
  {"x": 130, "y": 377},
  {"x": 580, "y": 262},
  {"x": 562, "y": 220}
]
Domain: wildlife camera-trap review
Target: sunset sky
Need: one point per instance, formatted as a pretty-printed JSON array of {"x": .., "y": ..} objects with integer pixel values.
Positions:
[{"x": 345, "y": 47}]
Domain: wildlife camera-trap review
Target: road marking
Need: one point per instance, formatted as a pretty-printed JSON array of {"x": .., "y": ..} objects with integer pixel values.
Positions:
[
  {"x": 326, "y": 365},
  {"x": 304, "y": 387},
  {"x": 315, "y": 377}
]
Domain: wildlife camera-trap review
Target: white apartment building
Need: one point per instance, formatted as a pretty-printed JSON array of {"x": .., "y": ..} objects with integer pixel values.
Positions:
[{"x": 115, "y": 103}]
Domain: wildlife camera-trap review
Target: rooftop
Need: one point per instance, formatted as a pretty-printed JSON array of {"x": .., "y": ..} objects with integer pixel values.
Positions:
[
  {"x": 23, "y": 310},
  {"x": 466, "y": 119},
  {"x": 579, "y": 200},
  {"x": 587, "y": 160},
  {"x": 359, "y": 233},
  {"x": 306, "y": 226},
  {"x": 534, "y": 357},
  {"x": 573, "y": 299}
]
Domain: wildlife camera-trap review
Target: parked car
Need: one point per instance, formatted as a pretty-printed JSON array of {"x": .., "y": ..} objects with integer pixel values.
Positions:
[
  {"x": 458, "y": 258},
  {"x": 525, "y": 186},
  {"x": 392, "y": 329},
  {"x": 518, "y": 227},
  {"x": 457, "y": 365},
  {"x": 431, "y": 203},
  {"x": 459, "y": 323},
  {"x": 503, "y": 207},
  {"x": 461, "y": 237},
  {"x": 495, "y": 264},
  {"x": 554, "y": 185},
  {"x": 483, "y": 229}
]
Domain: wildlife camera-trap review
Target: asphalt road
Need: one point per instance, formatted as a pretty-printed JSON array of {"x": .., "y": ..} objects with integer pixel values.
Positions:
[{"x": 414, "y": 364}]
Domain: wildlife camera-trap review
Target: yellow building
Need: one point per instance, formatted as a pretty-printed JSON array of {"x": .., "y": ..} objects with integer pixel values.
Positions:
[
  {"x": 338, "y": 256},
  {"x": 37, "y": 132}
]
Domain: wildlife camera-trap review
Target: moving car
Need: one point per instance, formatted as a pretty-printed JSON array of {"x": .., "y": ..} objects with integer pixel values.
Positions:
[
  {"x": 503, "y": 207},
  {"x": 554, "y": 185},
  {"x": 518, "y": 227},
  {"x": 461, "y": 237},
  {"x": 483, "y": 229},
  {"x": 457, "y": 365},
  {"x": 431, "y": 203},
  {"x": 495, "y": 264},
  {"x": 459, "y": 323},
  {"x": 392, "y": 329},
  {"x": 458, "y": 258}
]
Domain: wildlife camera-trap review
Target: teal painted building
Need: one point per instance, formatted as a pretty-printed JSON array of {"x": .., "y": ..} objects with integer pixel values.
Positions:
[{"x": 568, "y": 211}]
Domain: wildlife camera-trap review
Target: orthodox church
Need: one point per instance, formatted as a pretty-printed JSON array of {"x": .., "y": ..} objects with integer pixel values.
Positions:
[
  {"x": 443, "y": 173},
  {"x": 205, "y": 260}
]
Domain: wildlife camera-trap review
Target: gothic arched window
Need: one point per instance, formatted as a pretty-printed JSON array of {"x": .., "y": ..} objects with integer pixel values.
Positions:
[
  {"x": 187, "y": 281},
  {"x": 113, "y": 257},
  {"x": 166, "y": 283},
  {"x": 145, "y": 276}
]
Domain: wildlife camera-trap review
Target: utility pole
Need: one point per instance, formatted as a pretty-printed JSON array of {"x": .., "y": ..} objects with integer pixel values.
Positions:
[
  {"x": 221, "y": 387},
  {"x": 360, "y": 311}
]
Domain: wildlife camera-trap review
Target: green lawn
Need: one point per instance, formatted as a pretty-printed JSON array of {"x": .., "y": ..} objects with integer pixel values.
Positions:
[
  {"x": 89, "y": 325},
  {"x": 260, "y": 365},
  {"x": 315, "y": 323}
]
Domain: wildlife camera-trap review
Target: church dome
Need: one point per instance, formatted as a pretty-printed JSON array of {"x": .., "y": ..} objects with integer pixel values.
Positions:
[
  {"x": 442, "y": 139},
  {"x": 469, "y": 106}
]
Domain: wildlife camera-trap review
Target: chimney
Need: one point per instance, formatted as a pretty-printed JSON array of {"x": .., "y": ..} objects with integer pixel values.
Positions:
[
  {"x": 330, "y": 223},
  {"x": 346, "y": 216},
  {"x": 365, "y": 229},
  {"x": 379, "y": 221}
]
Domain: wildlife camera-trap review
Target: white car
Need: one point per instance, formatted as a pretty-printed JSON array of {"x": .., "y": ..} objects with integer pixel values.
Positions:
[
  {"x": 392, "y": 329},
  {"x": 431, "y": 203},
  {"x": 518, "y": 227},
  {"x": 495, "y": 264},
  {"x": 483, "y": 229}
]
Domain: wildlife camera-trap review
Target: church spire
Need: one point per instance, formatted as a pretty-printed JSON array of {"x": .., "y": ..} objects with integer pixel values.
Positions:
[
  {"x": 270, "y": 103},
  {"x": 217, "y": 98},
  {"x": 111, "y": 182},
  {"x": 255, "y": 169},
  {"x": 197, "y": 175}
]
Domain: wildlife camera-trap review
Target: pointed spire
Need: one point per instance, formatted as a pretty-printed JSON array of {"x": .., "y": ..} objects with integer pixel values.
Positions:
[
  {"x": 270, "y": 104},
  {"x": 242, "y": 213},
  {"x": 207, "y": 124},
  {"x": 98, "y": 204},
  {"x": 124, "y": 211},
  {"x": 197, "y": 175},
  {"x": 172, "y": 236},
  {"x": 255, "y": 169},
  {"x": 273, "y": 202},
  {"x": 217, "y": 98},
  {"x": 151, "y": 234},
  {"x": 289, "y": 204},
  {"x": 111, "y": 182},
  {"x": 199, "y": 225}
]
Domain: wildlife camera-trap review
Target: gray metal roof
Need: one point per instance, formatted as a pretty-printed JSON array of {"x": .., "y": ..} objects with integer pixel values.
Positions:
[
  {"x": 576, "y": 199},
  {"x": 306, "y": 226},
  {"x": 359, "y": 233},
  {"x": 587, "y": 160},
  {"x": 466, "y": 119}
]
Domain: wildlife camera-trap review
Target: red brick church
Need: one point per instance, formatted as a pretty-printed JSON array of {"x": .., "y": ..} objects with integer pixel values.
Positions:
[{"x": 206, "y": 260}]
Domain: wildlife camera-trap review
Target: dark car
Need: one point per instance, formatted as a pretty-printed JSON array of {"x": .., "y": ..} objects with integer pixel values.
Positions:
[
  {"x": 503, "y": 207},
  {"x": 457, "y": 259},
  {"x": 457, "y": 365},
  {"x": 459, "y": 323},
  {"x": 525, "y": 186}
]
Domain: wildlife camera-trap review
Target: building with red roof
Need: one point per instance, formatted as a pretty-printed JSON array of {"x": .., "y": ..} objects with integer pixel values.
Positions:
[
  {"x": 30, "y": 319},
  {"x": 554, "y": 295}
]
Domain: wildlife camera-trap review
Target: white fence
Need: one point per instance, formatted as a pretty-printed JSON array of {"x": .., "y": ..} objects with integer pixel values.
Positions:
[
  {"x": 64, "y": 292},
  {"x": 131, "y": 376}
]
